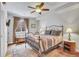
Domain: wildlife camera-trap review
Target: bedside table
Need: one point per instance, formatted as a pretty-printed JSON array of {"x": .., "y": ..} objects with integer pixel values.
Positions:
[{"x": 69, "y": 46}]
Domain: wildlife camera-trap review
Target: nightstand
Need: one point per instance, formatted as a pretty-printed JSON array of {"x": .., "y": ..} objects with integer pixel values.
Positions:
[{"x": 69, "y": 46}]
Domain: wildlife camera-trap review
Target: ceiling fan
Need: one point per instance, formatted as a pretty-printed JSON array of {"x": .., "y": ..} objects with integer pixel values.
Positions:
[{"x": 38, "y": 8}]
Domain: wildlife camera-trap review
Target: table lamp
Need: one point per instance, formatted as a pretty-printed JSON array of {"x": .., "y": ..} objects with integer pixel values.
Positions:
[{"x": 69, "y": 30}]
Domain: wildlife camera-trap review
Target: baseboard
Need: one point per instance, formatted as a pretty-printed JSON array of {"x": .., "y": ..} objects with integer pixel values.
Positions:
[
  {"x": 10, "y": 44},
  {"x": 16, "y": 43}
]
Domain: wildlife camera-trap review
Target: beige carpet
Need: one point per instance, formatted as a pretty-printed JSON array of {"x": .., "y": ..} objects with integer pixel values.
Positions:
[{"x": 21, "y": 51}]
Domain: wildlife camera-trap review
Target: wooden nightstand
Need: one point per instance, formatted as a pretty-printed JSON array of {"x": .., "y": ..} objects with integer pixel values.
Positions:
[{"x": 69, "y": 46}]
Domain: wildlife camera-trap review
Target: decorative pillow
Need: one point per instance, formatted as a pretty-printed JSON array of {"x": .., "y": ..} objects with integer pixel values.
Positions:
[
  {"x": 52, "y": 32},
  {"x": 48, "y": 32},
  {"x": 26, "y": 35},
  {"x": 56, "y": 33}
]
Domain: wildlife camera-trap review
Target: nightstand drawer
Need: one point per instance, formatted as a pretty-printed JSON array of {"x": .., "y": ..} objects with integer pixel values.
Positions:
[{"x": 69, "y": 46}]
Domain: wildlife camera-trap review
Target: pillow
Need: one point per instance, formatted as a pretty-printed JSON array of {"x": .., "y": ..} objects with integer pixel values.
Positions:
[
  {"x": 52, "y": 32},
  {"x": 48, "y": 32},
  {"x": 56, "y": 33},
  {"x": 29, "y": 36},
  {"x": 26, "y": 35}
]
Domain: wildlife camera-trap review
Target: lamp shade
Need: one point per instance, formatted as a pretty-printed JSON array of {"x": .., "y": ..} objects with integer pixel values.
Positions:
[{"x": 69, "y": 30}]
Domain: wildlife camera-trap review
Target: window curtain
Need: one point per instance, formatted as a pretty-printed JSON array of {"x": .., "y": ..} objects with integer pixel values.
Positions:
[
  {"x": 26, "y": 24},
  {"x": 16, "y": 19}
]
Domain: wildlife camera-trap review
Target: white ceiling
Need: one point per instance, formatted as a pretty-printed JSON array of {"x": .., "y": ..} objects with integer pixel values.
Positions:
[
  {"x": 62, "y": 9},
  {"x": 20, "y": 8}
]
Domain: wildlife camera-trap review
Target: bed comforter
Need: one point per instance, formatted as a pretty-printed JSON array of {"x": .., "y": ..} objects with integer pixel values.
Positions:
[{"x": 46, "y": 41}]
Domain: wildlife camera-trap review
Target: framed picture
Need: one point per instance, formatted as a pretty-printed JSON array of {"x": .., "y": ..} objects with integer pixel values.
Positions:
[{"x": 33, "y": 25}]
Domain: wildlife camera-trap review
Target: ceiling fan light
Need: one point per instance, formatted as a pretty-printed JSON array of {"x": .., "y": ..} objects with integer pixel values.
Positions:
[{"x": 38, "y": 10}]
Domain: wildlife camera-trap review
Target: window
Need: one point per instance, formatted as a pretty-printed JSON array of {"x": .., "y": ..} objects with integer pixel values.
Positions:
[{"x": 21, "y": 25}]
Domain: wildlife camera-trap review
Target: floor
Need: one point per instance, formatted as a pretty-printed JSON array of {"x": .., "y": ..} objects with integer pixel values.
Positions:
[{"x": 21, "y": 51}]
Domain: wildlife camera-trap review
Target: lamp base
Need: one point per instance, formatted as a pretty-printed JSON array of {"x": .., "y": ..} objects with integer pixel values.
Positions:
[{"x": 69, "y": 37}]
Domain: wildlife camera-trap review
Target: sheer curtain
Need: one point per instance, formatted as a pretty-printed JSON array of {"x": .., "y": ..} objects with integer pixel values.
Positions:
[
  {"x": 26, "y": 24},
  {"x": 21, "y": 25}
]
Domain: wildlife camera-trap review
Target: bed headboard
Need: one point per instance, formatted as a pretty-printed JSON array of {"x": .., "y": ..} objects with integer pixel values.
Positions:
[{"x": 55, "y": 27}]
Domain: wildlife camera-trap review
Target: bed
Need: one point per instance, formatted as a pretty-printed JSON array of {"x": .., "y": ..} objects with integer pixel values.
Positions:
[{"x": 44, "y": 43}]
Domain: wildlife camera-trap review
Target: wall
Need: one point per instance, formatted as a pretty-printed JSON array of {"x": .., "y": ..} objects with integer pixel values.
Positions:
[
  {"x": 33, "y": 21},
  {"x": 3, "y": 32},
  {"x": 68, "y": 20},
  {"x": 0, "y": 29},
  {"x": 48, "y": 20}
]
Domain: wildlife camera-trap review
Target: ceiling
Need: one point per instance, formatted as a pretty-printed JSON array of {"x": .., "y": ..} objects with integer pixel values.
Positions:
[
  {"x": 63, "y": 10},
  {"x": 21, "y": 9}
]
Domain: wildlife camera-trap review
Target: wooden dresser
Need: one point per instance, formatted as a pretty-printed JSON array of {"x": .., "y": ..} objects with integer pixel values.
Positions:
[{"x": 69, "y": 46}]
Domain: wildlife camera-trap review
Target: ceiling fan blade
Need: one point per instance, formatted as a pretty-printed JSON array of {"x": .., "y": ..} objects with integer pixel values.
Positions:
[
  {"x": 41, "y": 5},
  {"x": 45, "y": 9},
  {"x": 4, "y": 2},
  {"x": 31, "y": 7},
  {"x": 32, "y": 11}
]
